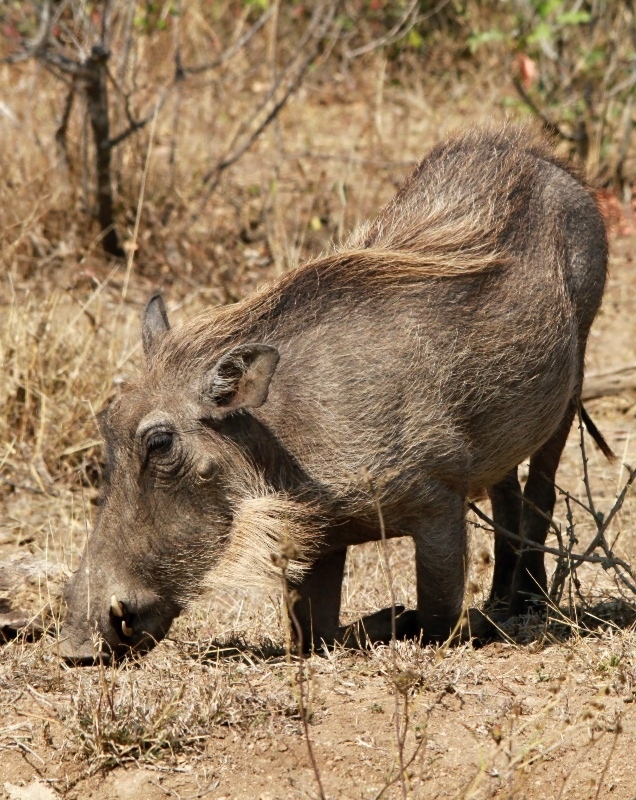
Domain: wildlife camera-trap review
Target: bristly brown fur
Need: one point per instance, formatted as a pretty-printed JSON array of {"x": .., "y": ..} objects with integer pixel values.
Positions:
[{"x": 446, "y": 222}]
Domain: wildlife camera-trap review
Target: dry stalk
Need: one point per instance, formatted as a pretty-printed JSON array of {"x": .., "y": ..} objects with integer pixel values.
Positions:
[
  {"x": 607, "y": 762},
  {"x": 399, "y": 690},
  {"x": 281, "y": 560},
  {"x": 133, "y": 243}
]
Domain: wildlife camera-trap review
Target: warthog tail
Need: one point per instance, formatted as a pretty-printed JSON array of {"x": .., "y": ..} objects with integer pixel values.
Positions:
[{"x": 597, "y": 435}]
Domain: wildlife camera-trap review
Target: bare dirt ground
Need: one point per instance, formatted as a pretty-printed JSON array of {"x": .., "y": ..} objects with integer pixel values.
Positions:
[{"x": 547, "y": 712}]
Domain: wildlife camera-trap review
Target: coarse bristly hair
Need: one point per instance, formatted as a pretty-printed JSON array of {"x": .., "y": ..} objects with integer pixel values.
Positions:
[
  {"x": 456, "y": 215},
  {"x": 267, "y": 529},
  {"x": 470, "y": 221}
]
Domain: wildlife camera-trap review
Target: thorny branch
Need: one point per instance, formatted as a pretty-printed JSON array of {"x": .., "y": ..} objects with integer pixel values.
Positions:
[
  {"x": 542, "y": 548},
  {"x": 567, "y": 560}
]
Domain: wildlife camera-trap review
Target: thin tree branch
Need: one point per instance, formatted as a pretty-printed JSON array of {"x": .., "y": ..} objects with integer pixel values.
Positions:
[
  {"x": 515, "y": 537},
  {"x": 62, "y": 128},
  {"x": 320, "y": 22},
  {"x": 548, "y": 125},
  {"x": 402, "y": 27},
  {"x": 234, "y": 49},
  {"x": 393, "y": 35}
]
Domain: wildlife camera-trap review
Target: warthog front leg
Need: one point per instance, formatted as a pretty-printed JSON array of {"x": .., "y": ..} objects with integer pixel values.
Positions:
[
  {"x": 441, "y": 554},
  {"x": 440, "y": 559},
  {"x": 377, "y": 628},
  {"x": 317, "y": 610}
]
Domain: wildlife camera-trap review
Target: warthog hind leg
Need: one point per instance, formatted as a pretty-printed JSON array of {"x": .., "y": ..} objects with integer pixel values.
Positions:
[
  {"x": 505, "y": 498},
  {"x": 530, "y": 582}
]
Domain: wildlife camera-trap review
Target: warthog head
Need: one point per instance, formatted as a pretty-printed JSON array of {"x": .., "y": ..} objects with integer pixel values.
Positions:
[{"x": 169, "y": 500}]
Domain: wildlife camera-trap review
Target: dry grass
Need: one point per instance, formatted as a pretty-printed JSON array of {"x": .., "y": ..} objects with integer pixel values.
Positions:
[
  {"x": 215, "y": 708},
  {"x": 493, "y": 716}
]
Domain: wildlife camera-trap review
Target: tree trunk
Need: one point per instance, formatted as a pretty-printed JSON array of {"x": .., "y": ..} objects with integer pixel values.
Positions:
[{"x": 96, "y": 88}]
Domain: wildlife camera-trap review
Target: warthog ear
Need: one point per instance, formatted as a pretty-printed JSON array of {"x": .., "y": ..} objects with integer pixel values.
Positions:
[
  {"x": 154, "y": 324},
  {"x": 241, "y": 378}
]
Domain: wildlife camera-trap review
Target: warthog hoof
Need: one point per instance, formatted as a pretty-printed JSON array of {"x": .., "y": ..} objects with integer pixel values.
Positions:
[{"x": 377, "y": 628}]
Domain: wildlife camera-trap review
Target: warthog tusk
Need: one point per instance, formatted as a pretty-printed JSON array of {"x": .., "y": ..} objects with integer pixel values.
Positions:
[
  {"x": 115, "y": 606},
  {"x": 127, "y": 631}
]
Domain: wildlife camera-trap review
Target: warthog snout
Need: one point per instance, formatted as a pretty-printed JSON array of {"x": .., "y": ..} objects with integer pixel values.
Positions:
[{"x": 129, "y": 623}]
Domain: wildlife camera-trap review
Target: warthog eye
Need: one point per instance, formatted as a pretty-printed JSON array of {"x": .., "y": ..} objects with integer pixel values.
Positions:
[{"x": 159, "y": 443}]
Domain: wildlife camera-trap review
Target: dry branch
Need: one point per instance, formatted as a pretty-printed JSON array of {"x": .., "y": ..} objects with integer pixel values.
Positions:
[
  {"x": 567, "y": 560},
  {"x": 608, "y": 386},
  {"x": 288, "y": 80},
  {"x": 90, "y": 75},
  {"x": 549, "y": 126},
  {"x": 238, "y": 45},
  {"x": 409, "y": 19}
]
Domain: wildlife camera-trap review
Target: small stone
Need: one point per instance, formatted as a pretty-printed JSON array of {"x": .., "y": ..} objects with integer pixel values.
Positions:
[{"x": 34, "y": 791}]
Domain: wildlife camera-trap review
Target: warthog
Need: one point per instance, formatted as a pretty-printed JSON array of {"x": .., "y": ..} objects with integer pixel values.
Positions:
[{"x": 412, "y": 368}]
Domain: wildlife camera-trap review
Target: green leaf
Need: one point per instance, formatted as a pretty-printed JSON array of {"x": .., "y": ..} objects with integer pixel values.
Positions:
[
  {"x": 542, "y": 33},
  {"x": 414, "y": 39},
  {"x": 475, "y": 41},
  {"x": 546, "y": 8},
  {"x": 595, "y": 57},
  {"x": 573, "y": 18}
]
